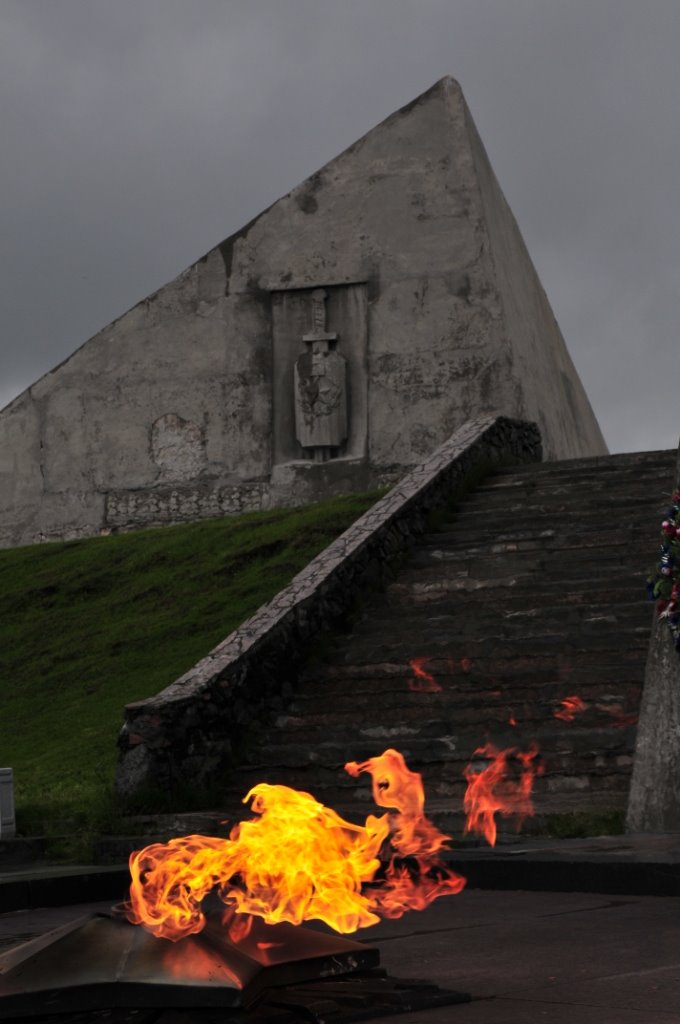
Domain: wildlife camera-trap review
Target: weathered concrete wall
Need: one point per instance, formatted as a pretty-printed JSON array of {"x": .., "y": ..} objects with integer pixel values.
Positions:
[
  {"x": 191, "y": 729},
  {"x": 183, "y": 407},
  {"x": 531, "y": 354},
  {"x": 654, "y": 799}
]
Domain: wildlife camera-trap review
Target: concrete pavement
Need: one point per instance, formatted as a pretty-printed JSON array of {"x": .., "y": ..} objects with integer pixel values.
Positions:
[
  {"x": 558, "y": 958},
  {"x": 523, "y": 939}
]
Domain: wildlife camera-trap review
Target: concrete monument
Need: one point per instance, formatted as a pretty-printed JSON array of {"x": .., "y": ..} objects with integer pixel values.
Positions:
[{"x": 329, "y": 345}]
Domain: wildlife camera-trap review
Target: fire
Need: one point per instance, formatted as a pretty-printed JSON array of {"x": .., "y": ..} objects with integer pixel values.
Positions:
[
  {"x": 424, "y": 682},
  {"x": 493, "y": 791},
  {"x": 412, "y": 836},
  {"x": 571, "y": 706},
  {"x": 299, "y": 861}
]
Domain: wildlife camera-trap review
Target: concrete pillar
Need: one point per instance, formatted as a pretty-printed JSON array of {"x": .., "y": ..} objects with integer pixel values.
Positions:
[
  {"x": 7, "y": 822},
  {"x": 654, "y": 801}
]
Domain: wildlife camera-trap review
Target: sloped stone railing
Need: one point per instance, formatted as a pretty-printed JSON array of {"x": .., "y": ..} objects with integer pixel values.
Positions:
[{"x": 191, "y": 730}]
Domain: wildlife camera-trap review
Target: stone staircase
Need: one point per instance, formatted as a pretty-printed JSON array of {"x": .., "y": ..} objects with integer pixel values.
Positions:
[{"x": 530, "y": 592}]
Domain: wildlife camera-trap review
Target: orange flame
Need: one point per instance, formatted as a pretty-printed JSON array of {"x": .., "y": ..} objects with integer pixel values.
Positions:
[
  {"x": 412, "y": 836},
  {"x": 298, "y": 861},
  {"x": 424, "y": 682},
  {"x": 492, "y": 791},
  {"x": 571, "y": 706}
]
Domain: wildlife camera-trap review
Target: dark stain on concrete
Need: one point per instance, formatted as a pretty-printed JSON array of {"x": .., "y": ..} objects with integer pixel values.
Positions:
[
  {"x": 373, "y": 285},
  {"x": 464, "y": 288},
  {"x": 572, "y": 401},
  {"x": 306, "y": 197},
  {"x": 307, "y": 203},
  {"x": 226, "y": 247}
]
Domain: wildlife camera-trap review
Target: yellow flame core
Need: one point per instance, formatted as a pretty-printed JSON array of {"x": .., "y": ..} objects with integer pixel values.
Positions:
[{"x": 298, "y": 861}]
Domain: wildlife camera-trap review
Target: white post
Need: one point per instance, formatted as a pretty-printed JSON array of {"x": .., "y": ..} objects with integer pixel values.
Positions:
[{"x": 7, "y": 822}]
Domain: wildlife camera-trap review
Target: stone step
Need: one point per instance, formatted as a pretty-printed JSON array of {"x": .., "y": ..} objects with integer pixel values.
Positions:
[
  {"x": 622, "y": 478},
  {"x": 527, "y": 567},
  {"x": 456, "y": 745},
  {"x": 532, "y": 698},
  {"x": 638, "y": 497},
  {"x": 577, "y": 533},
  {"x": 475, "y": 625},
  {"x": 469, "y": 618},
  {"x": 418, "y": 639},
  {"x": 530, "y": 702},
  {"x": 527, "y": 557},
  {"x": 633, "y": 479},
  {"x": 587, "y": 505},
  {"x": 554, "y": 538},
  {"x": 596, "y": 465},
  {"x": 485, "y": 527},
  {"x": 486, "y": 664},
  {"x": 559, "y": 649},
  {"x": 442, "y": 603},
  {"x": 483, "y": 675},
  {"x": 448, "y": 590},
  {"x": 560, "y": 745}
]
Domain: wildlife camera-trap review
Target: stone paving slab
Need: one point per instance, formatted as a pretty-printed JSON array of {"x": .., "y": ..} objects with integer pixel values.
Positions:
[
  {"x": 544, "y": 956},
  {"x": 558, "y": 958},
  {"x": 38, "y": 885}
]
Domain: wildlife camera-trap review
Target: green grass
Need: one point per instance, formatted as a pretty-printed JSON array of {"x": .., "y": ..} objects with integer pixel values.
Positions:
[
  {"x": 90, "y": 625},
  {"x": 581, "y": 824}
]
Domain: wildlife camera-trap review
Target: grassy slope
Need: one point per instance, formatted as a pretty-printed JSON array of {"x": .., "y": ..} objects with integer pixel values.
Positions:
[{"x": 89, "y": 625}]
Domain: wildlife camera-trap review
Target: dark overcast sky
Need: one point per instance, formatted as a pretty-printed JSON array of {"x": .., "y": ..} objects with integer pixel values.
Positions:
[{"x": 137, "y": 134}]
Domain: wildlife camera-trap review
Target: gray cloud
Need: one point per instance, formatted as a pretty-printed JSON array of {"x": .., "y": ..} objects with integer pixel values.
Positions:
[{"x": 138, "y": 134}]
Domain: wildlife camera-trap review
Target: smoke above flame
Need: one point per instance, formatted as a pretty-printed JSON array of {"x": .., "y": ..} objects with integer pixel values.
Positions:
[
  {"x": 299, "y": 860},
  {"x": 503, "y": 787}
]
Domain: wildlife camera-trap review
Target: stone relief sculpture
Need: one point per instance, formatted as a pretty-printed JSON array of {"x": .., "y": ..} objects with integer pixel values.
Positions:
[{"x": 320, "y": 378}]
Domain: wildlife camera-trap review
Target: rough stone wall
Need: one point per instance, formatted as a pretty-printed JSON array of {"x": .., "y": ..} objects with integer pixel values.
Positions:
[
  {"x": 180, "y": 409},
  {"x": 190, "y": 729}
]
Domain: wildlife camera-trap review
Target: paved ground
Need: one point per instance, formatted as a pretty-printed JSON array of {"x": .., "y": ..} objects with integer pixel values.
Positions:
[{"x": 557, "y": 958}]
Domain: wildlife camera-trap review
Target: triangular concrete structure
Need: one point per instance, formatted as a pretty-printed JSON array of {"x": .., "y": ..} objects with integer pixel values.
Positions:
[{"x": 399, "y": 263}]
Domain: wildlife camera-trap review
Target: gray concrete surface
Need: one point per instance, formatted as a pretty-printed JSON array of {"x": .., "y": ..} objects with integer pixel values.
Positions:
[
  {"x": 556, "y": 958},
  {"x": 654, "y": 797},
  {"x": 180, "y": 408}
]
